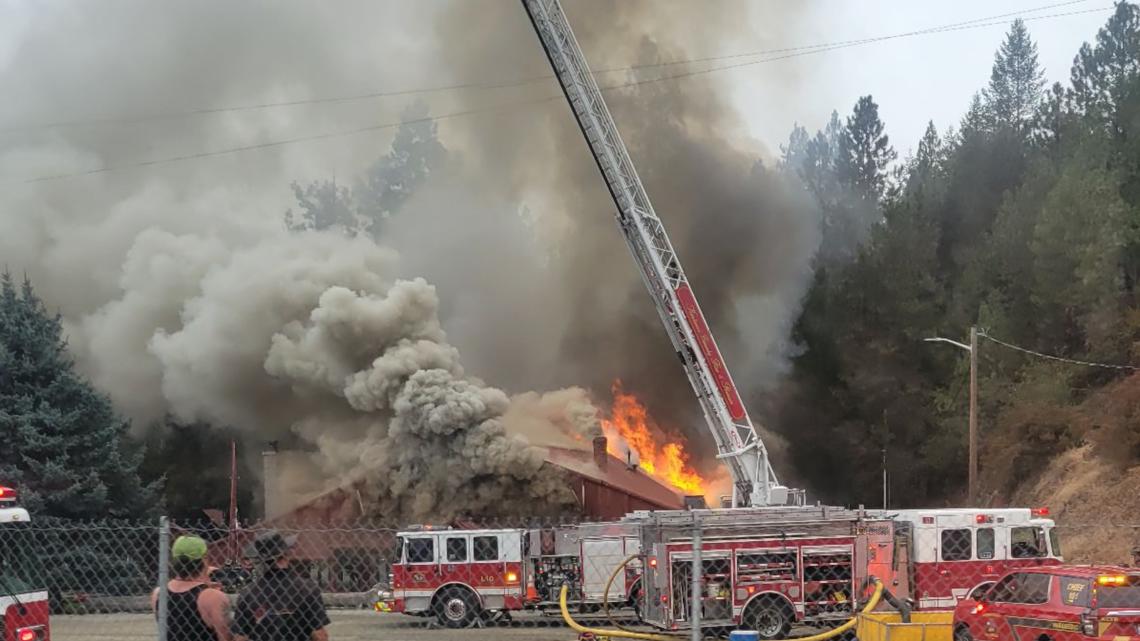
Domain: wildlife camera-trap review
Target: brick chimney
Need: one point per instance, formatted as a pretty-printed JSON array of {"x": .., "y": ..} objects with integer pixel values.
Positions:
[
  {"x": 600, "y": 456},
  {"x": 271, "y": 481}
]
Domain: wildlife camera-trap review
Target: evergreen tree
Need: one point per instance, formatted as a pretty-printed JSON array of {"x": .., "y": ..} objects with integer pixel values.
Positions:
[
  {"x": 324, "y": 205},
  {"x": 794, "y": 154},
  {"x": 927, "y": 162},
  {"x": 1016, "y": 81},
  {"x": 865, "y": 152},
  {"x": 1102, "y": 76},
  {"x": 414, "y": 155},
  {"x": 64, "y": 447}
]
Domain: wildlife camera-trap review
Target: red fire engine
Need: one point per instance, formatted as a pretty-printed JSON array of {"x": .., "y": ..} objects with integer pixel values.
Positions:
[
  {"x": 769, "y": 568},
  {"x": 460, "y": 575},
  {"x": 23, "y": 607},
  {"x": 765, "y": 568}
]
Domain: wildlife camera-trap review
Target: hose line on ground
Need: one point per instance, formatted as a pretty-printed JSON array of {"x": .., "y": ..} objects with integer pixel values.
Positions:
[{"x": 625, "y": 634}]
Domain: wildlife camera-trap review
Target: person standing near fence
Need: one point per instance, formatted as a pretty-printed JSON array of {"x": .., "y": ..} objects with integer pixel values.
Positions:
[
  {"x": 196, "y": 611},
  {"x": 280, "y": 605}
]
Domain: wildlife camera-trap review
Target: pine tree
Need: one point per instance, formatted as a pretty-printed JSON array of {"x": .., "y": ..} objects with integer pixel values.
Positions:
[
  {"x": 928, "y": 160},
  {"x": 1104, "y": 75},
  {"x": 414, "y": 155},
  {"x": 64, "y": 447},
  {"x": 865, "y": 152},
  {"x": 794, "y": 154},
  {"x": 324, "y": 205},
  {"x": 1016, "y": 81}
]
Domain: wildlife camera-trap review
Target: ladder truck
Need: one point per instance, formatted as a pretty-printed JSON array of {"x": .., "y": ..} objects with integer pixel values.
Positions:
[{"x": 737, "y": 440}]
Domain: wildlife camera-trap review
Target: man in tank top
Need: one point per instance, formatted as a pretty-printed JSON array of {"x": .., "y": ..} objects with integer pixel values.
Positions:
[{"x": 196, "y": 611}]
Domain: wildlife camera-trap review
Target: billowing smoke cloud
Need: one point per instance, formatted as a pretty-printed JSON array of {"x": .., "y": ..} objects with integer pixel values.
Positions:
[
  {"x": 308, "y": 333},
  {"x": 744, "y": 233},
  {"x": 183, "y": 293}
]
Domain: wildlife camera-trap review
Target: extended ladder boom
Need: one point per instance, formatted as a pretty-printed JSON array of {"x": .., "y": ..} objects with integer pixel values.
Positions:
[{"x": 736, "y": 438}]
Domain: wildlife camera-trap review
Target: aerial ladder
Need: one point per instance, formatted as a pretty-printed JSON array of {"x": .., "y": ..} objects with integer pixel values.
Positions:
[{"x": 737, "y": 440}]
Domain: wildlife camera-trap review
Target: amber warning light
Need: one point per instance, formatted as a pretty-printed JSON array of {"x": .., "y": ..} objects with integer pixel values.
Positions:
[{"x": 1112, "y": 579}]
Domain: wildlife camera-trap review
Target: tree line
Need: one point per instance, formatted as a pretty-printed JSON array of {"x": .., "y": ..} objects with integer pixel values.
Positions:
[{"x": 1023, "y": 220}]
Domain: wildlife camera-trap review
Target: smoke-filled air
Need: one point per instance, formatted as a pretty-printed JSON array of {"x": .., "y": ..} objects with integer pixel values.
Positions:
[{"x": 471, "y": 302}]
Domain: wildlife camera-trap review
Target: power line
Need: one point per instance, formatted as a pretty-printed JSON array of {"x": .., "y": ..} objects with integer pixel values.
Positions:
[
  {"x": 1060, "y": 359},
  {"x": 470, "y": 112},
  {"x": 796, "y": 51}
]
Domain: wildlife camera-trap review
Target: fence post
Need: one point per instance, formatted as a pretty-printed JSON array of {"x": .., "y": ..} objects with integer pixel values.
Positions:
[
  {"x": 163, "y": 574},
  {"x": 695, "y": 607}
]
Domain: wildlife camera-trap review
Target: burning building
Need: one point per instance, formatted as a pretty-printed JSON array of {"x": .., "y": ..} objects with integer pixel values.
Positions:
[
  {"x": 604, "y": 486},
  {"x": 343, "y": 557}
]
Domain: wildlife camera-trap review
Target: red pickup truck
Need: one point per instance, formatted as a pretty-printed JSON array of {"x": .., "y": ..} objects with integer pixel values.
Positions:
[{"x": 1053, "y": 603}]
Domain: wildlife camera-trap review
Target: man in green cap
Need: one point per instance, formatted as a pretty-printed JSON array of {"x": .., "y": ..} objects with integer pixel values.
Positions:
[{"x": 195, "y": 610}]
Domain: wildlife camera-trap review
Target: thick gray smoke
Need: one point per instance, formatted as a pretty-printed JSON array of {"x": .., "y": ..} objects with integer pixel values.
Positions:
[
  {"x": 744, "y": 233},
  {"x": 183, "y": 293}
]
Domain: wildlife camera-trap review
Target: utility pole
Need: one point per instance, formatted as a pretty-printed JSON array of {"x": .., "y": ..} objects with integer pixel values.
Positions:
[
  {"x": 972, "y": 483},
  {"x": 972, "y": 348},
  {"x": 884, "y": 478}
]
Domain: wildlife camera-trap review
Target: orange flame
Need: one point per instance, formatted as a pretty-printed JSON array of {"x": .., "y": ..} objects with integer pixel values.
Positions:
[{"x": 630, "y": 422}]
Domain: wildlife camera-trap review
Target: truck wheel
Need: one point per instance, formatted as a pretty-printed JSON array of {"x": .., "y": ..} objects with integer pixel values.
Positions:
[
  {"x": 456, "y": 607},
  {"x": 963, "y": 634},
  {"x": 769, "y": 617}
]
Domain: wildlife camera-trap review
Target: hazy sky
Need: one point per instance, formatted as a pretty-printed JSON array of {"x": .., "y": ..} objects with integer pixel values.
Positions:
[{"x": 914, "y": 79}]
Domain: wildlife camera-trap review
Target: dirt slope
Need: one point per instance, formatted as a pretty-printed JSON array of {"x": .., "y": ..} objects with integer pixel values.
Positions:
[{"x": 1096, "y": 505}]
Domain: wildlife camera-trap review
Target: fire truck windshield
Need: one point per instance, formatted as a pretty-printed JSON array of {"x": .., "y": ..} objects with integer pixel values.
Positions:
[
  {"x": 17, "y": 559},
  {"x": 1027, "y": 542},
  {"x": 1055, "y": 542}
]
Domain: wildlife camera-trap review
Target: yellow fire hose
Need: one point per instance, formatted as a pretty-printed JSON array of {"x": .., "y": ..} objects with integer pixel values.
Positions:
[
  {"x": 606, "y": 593},
  {"x": 625, "y": 634}
]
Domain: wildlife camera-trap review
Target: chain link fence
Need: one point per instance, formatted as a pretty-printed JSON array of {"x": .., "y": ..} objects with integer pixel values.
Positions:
[{"x": 510, "y": 579}]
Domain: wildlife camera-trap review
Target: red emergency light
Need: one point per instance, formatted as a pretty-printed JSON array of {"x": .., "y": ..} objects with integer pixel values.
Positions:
[
  {"x": 979, "y": 608},
  {"x": 35, "y": 633},
  {"x": 984, "y": 518},
  {"x": 652, "y": 561},
  {"x": 7, "y": 494},
  {"x": 1039, "y": 512}
]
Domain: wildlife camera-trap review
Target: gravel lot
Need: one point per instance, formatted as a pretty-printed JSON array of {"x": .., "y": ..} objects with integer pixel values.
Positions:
[{"x": 348, "y": 625}]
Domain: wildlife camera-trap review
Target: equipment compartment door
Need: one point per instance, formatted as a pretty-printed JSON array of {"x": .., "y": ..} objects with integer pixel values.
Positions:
[{"x": 599, "y": 559}]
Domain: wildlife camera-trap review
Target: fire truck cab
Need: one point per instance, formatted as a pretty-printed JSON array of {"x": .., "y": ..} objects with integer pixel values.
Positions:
[
  {"x": 458, "y": 575},
  {"x": 23, "y": 601},
  {"x": 935, "y": 557}
]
